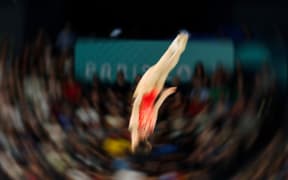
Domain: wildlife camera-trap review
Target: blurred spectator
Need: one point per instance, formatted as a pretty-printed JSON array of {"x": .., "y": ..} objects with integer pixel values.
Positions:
[
  {"x": 25, "y": 60},
  {"x": 264, "y": 81},
  {"x": 129, "y": 175},
  {"x": 200, "y": 93},
  {"x": 176, "y": 114},
  {"x": 121, "y": 86},
  {"x": 54, "y": 90},
  {"x": 76, "y": 174},
  {"x": 48, "y": 60},
  {"x": 3, "y": 58},
  {"x": 64, "y": 66},
  {"x": 10, "y": 166},
  {"x": 116, "y": 146},
  {"x": 55, "y": 132},
  {"x": 65, "y": 39},
  {"x": 219, "y": 83},
  {"x": 89, "y": 118},
  {"x": 237, "y": 81},
  {"x": 201, "y": 121},
  {"x": 200, "y": 75},
  {"x": 35, "y": 171},
  {"x": 113, "y": 119},
  {"x": 34, "y": 89},
  {"x": 238, "y": 107},
  {"x": 249, "y": 124},
  {"x": 96, "y": 101},
  {"x": 57, "y": 159},
  {"x": 113, "y": 100},
  {"x": 220, "y": 108},
  {"x": 196, "y": 105},
  {"x": 6, "y": 110},
  {"x": 65, "y": 117},
  {"x": 96, "y": 85},
  {"x": 71, "y": 90}
]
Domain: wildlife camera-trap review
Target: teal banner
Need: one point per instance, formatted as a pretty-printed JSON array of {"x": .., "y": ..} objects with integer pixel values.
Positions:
[
  {"x": 105, "y": 57},
  {"x": 253, "y": 54}
]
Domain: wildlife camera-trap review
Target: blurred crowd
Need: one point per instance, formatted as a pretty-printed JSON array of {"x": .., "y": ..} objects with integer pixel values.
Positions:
[{"x": 54, "y": 127}]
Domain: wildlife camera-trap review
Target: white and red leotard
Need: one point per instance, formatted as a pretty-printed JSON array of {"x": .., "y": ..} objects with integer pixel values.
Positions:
[{"x": 146, "y": 123}]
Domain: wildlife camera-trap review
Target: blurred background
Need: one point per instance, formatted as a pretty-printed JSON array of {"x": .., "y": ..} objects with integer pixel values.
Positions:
[{"x": 68, "y": 70}]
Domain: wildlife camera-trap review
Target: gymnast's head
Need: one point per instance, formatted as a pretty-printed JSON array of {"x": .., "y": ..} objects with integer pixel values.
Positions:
[{"x": 143, "y": 148}]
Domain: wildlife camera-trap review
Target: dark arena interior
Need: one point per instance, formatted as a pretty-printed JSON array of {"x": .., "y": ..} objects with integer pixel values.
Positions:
[{"x": 68, "y": 70}]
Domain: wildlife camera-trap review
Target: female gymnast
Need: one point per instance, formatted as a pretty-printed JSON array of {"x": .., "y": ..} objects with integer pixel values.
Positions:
[{"x": 145, "y": 103}]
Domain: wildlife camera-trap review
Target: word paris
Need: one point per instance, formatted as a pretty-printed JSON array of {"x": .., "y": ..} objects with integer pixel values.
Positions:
[
  {"x": 106, "y": 57},
  {"x": 108, "y": 71}
]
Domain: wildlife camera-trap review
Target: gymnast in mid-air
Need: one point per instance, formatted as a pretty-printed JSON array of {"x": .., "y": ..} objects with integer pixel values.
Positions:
[{"x": 149, "y": 94}]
